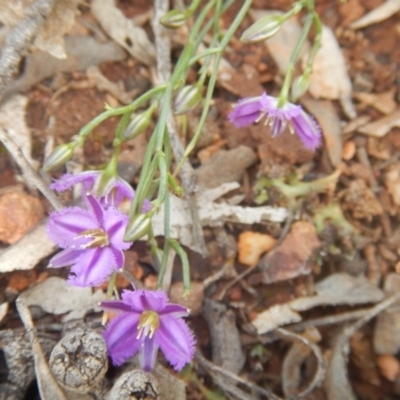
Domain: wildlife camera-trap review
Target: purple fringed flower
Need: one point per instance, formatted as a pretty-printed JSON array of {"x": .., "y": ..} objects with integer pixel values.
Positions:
[
  {"x": 113, "y": 192},
  {"x": 253, "y": 109},
  {"x": 92, "y": 240},
  {"x": 147, "y": 322}
]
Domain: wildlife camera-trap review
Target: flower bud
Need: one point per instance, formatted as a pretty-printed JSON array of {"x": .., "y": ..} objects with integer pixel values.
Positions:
[
  {"x": 300, "y": 86},
  {"x": 173, "y": 19},
  {"x": 138, "y": 227},
  {"x": 137, "y": 125},
  {"x": 188, "y": 98},
  {"x": 263, "y": 29},
  {"x": 59, "y": 156}
]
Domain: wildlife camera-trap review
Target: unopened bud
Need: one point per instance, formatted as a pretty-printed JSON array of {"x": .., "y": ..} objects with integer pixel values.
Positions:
[
  {"x": 300, "y": 86},
  {"x": 263, "y": 29},
  {"x": 173, "y": 19},
  {"x": 188, "y": 98},
  {"x": 59, "y": 156},
  {"x": 138, "y": 125},
  {"x": 138, "y": 227}
]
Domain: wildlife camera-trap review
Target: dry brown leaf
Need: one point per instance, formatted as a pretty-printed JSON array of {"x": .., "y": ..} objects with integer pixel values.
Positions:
[
  {"x": 383, "y": 102},
  {"x": 329, "y": 78},
  {"x": 392, "y": 182},
  {"x": 121, "y": 29},
  {"x": 339, "y": 288},
  {"x": 382, "y": 126},
  {"x": 49, "y": 37},
  {"x": 19, "y": 212},
  {"x": 194, "y": 301},
  {"x": 251, "y": 245},
  {"x": 274, "y": 317},
  {"x": 294, "y": 256},
  {"x": 327, "y": 117}
]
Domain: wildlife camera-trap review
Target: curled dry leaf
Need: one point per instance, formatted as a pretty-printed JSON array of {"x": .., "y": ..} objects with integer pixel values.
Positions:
[
  {"x": 392, "y": 182},
  {"x": 19, "y": 212},
  {"x": 386, "y": 338},
  {"x": 251, "y": 245},
  {"x": 329, "y": 78},
  {"x": 294, "y": 256},
  {"x": 338, "y": 289},
  {"x": 383, "y": 102},
  {"x": 274, "y": 317},
  {"x": 49, "y": 37}
]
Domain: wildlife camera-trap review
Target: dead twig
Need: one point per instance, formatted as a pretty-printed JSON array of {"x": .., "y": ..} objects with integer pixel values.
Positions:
[
  {"x": 163, "y": 50},
  {"x": 28, "y": 170},
  {"x": 20, "y": 37},
  {"x": 230, "y": 375},
  {"x": 320, "y": 374}
]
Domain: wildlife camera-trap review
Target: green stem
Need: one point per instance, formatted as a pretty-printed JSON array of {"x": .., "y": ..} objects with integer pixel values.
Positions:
[{"x": 284, "y": 94}]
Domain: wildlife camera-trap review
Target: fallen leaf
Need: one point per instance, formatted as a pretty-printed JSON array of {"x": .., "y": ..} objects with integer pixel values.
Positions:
[
  {"x": 82, "y": 52},
  {"x": 386, "y": 338},
  {"x": 337, "y": 289},
  {"x": 75, "y": 301},
  {"x": 19, "y": 213},
  {"x": 230, "y": 164},
  {"x": 329, "y": 78},
  {"x": 274, "y": 317},
  {"x": 382, "y": 126},
  {"x": 380, "y": 13},
  {"x": 121, "y": 29},
  {"x": 330, "y": 123},
  {"x": 392, "y": 182},
  {"x": 225, "y": 340},
  {"x": 28, "y": 251},
  {"x": 294, "y": 256},
  {"x": 3, "y": 310},
  {"x": 251, "y": 245},
  {"x": 49, "y": 36},
  {"x": 383, "y": 102},
  {"x": 193, "y": 301}
]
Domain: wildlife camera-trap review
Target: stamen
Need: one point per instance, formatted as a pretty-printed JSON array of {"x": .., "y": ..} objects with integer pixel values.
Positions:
[
  {"x": 100, "y": 238},
  {"x": 149, "y": 322}
]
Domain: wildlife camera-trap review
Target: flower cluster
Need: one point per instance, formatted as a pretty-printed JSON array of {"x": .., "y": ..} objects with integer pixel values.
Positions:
[
  {"x": 146, "y": 323},
  {"x": 92, "y": 237},
  {"x": 253, "y": 109}
]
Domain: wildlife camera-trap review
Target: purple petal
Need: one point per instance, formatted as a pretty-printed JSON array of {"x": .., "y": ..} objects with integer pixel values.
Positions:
[
  {"x": 64, "y": 258},
  {"x": 146, "y": 206},
  {"x": 148, "y": 354},
  {"x": 115, "y": 305},
  {"x": 93, "y": 267},
  {"x": 176, "y": 310},
  {"x": 245, "y": 112},
  {"x": 65, "y": 225},
  {"x": 120, "y": 337},
  {"x": 124, "y": 189},
  {"x": 115, "y": 223},
  {"x": 96, "y": 208},
  {"x": 119, "y": 257},
  {"x": 141, "y": 300},
  {"x": 176, "y": 341},
  {"x": 308, "y": 130},
  {"x": 87, "y": 178}
]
